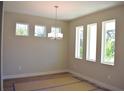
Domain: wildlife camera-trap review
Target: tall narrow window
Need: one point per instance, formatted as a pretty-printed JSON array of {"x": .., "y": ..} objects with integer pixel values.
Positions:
[
  {"x": 79, "y": 42},
  {"x": 91, "y": 42},
  {"x": 22, "y": 29},
  {"x": 40, "y": 31},
  {"x": 108, "y": 42}
]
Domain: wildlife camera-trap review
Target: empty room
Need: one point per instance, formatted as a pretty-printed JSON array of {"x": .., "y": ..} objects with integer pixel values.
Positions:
[{"x": 62, "y": 45}]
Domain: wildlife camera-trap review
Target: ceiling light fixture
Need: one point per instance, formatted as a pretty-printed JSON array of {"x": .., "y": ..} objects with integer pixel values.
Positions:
[{"x": 56, "y": 32}]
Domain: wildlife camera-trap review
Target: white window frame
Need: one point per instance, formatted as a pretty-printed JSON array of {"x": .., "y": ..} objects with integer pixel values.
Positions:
[
  {"x": 88, "y": 43},
  {"x": 103, "y": 43},
  {"x": 22, "y": 24},
  {"x": 44, "y": 30},
  {"x": 77, "y": 42}
]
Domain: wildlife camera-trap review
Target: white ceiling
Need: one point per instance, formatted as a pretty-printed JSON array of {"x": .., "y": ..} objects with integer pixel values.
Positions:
[{"x": 67, "y": 9}]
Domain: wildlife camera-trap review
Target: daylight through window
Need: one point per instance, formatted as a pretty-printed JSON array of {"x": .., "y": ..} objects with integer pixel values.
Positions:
[
  {"x": 40, "y": 31},
  {"x": 22, "y": 29},
  {"x": 108, "y": 42},
  {"x": 91, "y": 42},
  {"x": 79, "y": 42}
]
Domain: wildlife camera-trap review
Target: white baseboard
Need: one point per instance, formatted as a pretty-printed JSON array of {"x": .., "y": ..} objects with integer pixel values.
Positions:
[
  {"x": 99, "y": 83},
  {"x": 32, "y": 74}
]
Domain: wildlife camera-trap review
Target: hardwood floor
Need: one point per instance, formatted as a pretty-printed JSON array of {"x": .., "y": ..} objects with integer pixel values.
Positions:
[{"x": 53, "y": 82}]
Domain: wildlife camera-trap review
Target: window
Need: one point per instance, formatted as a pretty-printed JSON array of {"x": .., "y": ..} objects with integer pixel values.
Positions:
[
  {"x": 22, "y": 29},
  {"x": 79, "y": 42},
  {"x": 40, "y": 31},
  {"x": 56, "y": 30},
  {"x": 108, "y": 42},
  {"x": 55, "y": 33},
  {"x": 91, "y": 42}
]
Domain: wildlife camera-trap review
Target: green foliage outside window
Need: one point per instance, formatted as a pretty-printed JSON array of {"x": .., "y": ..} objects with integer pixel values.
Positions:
[
  {"x": 109, "y": 48},
  {"x": 81, "y": 52},
  {"x": 21, "y": 31}
]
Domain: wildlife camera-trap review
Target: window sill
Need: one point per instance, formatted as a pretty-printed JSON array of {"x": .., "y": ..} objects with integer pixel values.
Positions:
[
  {"x": 107, "y": 63},
  {"x": 93, "y": 61},
  {"x": 78, "y": 58}
]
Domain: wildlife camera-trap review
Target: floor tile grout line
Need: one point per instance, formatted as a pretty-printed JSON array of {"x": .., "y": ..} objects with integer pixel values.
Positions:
[{"x": 57, "y": 86}]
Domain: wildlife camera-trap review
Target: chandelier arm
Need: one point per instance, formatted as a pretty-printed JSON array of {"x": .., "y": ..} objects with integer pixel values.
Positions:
[{"x": 56, "y": 35}]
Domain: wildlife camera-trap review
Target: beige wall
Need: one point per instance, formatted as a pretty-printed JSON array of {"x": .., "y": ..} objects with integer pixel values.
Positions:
[
  {"x": 98, "y": 71},
  {"x": 34, "y": 55}
]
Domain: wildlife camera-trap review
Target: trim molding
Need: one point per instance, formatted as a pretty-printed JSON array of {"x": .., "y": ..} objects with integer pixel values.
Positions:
[
  {"x": 33, "y": 74},
  {"x": 99, "y": 83}
]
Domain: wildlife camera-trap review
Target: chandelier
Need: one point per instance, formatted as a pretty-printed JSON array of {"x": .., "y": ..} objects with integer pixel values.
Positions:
[{"x": 56, "y": 32}]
